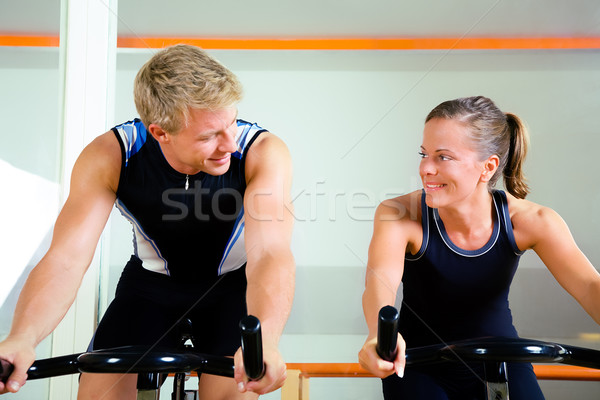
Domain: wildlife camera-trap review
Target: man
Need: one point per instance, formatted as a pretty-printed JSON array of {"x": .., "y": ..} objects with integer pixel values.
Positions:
[{"x": 208, "y": 196}]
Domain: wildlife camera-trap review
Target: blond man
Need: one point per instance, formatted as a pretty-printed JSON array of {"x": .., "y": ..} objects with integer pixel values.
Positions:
[{"x": 208, "y": 196}]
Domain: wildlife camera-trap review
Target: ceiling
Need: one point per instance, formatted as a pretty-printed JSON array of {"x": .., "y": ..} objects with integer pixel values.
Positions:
[{"x": 324, "y": 18}]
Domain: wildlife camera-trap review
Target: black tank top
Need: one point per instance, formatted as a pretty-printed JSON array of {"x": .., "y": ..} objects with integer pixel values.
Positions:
[
  {"x": 187, "y": 227},
  {"x": 454, "y": 294}
]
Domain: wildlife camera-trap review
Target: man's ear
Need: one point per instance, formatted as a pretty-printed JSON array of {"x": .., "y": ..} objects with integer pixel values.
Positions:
[
  {"x": 489, "y": 168},
  {"x": 159, "y": 133}
]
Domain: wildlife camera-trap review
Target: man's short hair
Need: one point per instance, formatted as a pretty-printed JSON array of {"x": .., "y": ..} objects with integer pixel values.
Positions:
[{"x": 178, "y": 78}]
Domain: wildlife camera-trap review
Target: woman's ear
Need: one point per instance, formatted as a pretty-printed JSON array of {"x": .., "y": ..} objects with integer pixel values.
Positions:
[{"x": 489, "y": 168}]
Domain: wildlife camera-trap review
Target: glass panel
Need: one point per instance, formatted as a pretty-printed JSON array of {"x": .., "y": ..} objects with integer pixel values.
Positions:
[{"x": 29, "y": 165}]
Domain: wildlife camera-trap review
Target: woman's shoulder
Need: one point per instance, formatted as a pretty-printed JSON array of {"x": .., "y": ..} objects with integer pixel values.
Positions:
[
  {"x": 526, "y": 210},
  {"x": 404, "y": 208},
  {"x": 530, "y": 220},
  {"x": 399, "y": 220}
]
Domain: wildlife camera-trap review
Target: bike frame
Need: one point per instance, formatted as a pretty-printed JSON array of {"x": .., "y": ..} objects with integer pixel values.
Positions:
[
  {"x": 493, "y": 352},
  {"x": 153, "y": 364}
]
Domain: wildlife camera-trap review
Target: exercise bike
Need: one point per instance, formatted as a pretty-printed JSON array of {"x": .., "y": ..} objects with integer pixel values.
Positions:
[
  {"x": 493, "y": 352},
  {"x": 154, "y": 364}
]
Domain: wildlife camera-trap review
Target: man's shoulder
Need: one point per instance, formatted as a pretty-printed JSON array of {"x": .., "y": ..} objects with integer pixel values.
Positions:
[
  {"x": 247, "y": 133},
  {"x": 132, "y": 135}
]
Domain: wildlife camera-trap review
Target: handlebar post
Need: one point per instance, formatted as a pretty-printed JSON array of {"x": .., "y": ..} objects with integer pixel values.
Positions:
[
  {"x": 148, "y": 395},
  {"x": 387, "y": 333},
  {"x": 252, "y": 347},
  {"x": 148, "y": 386},
  {"x": 496, "y": 381},
  {"x": 179, "y": 386}
]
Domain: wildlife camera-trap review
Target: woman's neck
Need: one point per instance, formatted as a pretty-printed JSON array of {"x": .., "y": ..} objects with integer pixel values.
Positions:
[{"x": 470, "y": 221}]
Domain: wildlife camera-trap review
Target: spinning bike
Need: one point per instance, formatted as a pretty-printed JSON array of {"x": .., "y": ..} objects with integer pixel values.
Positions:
[
  {"x": 493, "y": 352},
  {"x": 153, "y": 365}
]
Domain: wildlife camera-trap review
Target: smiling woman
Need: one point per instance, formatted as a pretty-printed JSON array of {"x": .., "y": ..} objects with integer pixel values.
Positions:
[{"x": 457, "y": 254}]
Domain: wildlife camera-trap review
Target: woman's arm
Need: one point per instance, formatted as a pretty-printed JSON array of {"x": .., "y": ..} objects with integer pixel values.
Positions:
[
  {"x": 543, "y": 230},
  {"x": 394, "y": 231}
]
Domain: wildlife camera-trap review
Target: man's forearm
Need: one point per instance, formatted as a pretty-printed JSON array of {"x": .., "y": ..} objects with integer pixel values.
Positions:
[
  {"x": 270, "y": 293},
  {"x": 45, "y": 299}
]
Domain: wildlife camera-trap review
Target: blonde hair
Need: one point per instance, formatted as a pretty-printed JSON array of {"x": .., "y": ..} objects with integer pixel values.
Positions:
[
  {"x": 493, "y": 132},
  {"x": 178, "y": 78}
]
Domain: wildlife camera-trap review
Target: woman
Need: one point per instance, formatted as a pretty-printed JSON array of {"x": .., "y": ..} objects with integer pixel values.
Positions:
[{"x": 456, "y": 244}]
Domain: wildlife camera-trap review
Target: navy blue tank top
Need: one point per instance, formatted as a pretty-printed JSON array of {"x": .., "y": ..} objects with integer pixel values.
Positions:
[
  {"x": 453, "y": 294},
  {"x": 186, "y": 226}
]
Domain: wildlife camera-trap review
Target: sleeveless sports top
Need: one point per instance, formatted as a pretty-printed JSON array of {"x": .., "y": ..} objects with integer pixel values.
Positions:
[
  {"x": 454, "y": 294},
  {"x": 187, "y": 227}
]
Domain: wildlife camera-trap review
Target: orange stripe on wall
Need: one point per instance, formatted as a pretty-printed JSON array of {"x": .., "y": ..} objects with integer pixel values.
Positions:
[
  {"x": 368, "y": 43},
  {"x": 30, "y": 41},
  {"x": 331, "y": 43}
]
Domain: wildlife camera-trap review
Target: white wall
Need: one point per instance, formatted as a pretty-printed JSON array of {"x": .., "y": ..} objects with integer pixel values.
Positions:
[{"x": 353, "y": 121}]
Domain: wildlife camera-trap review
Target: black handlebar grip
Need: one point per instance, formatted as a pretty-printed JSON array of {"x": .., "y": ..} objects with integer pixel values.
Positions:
[
  {"x": 387, "y": 333},
  {"x": 252, "y": 347},
  {"x": 6, "y": 369}
]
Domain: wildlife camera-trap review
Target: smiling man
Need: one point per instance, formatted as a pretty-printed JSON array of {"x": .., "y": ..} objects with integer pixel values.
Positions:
[{"x": 191, "y": 178}]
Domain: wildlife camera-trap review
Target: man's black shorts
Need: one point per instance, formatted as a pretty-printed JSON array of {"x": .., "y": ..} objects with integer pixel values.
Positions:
[{"x": 148, "y": 307}]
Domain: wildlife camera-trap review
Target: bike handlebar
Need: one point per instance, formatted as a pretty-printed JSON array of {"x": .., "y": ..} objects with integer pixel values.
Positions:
[
  {"x": 488, "y": 349},
  {"x": 138, "y": 359},
  {"x": 387, "y": 333},
  {"x": 6, "y": 369},
  {"x": 252, "y": 347},
  {"x": 135, "y": 359}
]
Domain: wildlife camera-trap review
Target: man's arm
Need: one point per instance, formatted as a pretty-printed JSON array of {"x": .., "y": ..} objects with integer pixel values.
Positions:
[
  {"x": 52, "y": 285},
  {"x": 270, "y": 269}
]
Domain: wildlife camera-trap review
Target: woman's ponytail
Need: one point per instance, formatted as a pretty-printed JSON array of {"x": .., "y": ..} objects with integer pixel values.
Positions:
[{"x": 514, "y": 177}]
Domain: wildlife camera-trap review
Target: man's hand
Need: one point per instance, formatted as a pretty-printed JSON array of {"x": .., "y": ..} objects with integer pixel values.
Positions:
[
  {"x": 275, "y": 372},
  {"x": 21, "y": 355}
]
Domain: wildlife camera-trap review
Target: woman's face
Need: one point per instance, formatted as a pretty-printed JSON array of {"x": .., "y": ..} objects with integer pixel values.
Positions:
[{"x": 450, "y": 168}]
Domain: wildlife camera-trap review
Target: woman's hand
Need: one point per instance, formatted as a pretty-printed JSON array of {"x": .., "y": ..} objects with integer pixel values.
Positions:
[{"x": 370, "y": 360}]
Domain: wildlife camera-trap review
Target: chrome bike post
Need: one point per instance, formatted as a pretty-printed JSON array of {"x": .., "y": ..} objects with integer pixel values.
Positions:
[
  {"x": 148, "y": 394},
  {"x": 179, "y": 387},
  {"x": 496, "y": 381},
  {"x": 148, "y": 385}
]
